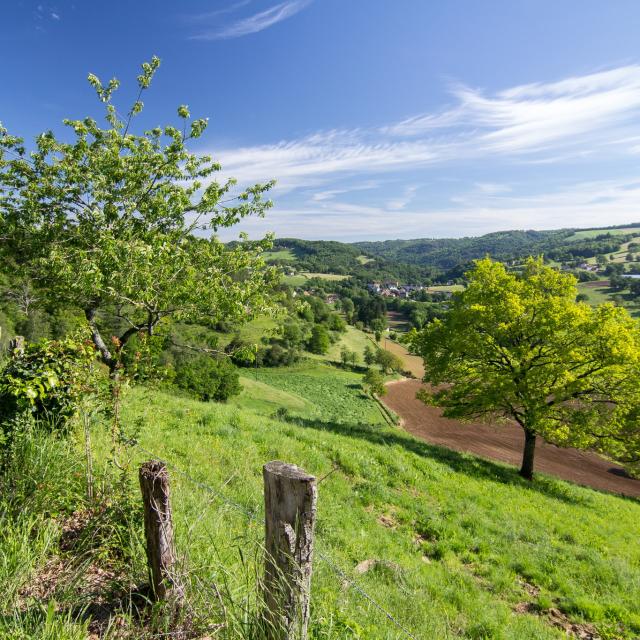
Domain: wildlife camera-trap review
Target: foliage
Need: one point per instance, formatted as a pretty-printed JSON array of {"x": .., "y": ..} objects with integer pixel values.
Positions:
[
  {"x": 319, "y": 340},
  {"x": 369, "y": 355},
  {"x": 105, "y": 224},
  {"x": 348, "y": 357},
  {"x": 47, "y": 381},
  {"x": 208, "y": 378},
  {"x": 520, "y": 347},
  {"x": 373, "y": 382},
  {"x": 388, "y": 361},
  {"x": 142, "y": 357}
]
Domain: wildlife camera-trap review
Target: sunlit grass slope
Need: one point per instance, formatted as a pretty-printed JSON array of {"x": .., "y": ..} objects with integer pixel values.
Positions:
[{"x": 464, "y": 543}]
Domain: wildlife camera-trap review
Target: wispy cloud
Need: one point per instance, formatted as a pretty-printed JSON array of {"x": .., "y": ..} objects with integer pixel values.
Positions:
[
  {"x": 254, "y": 23},
  {"x": 397, "y": 204},
  {"x": 492, "y": 188},
  {"x": 330, "y": 194},
  {"x": 534, "y": 123},
  {"x": 533, "y": 117},
  {"x": 575, "y": 205}
]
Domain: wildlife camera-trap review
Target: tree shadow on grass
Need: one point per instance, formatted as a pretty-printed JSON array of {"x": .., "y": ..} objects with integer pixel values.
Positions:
[{"x": 466, "y": 463}]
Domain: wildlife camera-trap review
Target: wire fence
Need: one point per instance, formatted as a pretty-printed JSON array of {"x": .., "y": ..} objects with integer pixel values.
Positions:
[{"x": 253, "y": 515}]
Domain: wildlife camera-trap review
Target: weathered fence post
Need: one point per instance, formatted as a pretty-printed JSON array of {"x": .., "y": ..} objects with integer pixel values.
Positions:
[
  {"x": 290, "y": 496},
  {"x": 158, "y": 529}
]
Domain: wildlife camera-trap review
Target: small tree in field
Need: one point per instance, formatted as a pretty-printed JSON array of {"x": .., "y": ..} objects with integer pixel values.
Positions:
[
  {"x": 106, "y": 223},
  {"x": 373, "y": 382},
  {"x": 388, "y": 361},
  {"x": 319, "y": 341},
  {"x": 520, "y": 347},
  {"x": 369, "y": 355}
]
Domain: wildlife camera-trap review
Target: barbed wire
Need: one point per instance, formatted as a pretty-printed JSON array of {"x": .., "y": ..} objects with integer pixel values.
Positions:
[
  {"x": 205, "y": 487},
  {"x": 252, "y": 515}
]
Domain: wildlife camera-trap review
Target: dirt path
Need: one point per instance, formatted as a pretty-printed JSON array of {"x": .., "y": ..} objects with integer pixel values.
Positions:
[{"x": 503, "y": 443}]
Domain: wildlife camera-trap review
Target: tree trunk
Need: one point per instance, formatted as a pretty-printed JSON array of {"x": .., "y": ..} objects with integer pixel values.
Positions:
[
  {"x": 105, "y": 354},
  {"x": 526, "y": 470}
]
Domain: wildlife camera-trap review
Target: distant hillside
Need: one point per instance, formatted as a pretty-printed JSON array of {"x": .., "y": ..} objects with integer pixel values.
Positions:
[
  {"x": 424, "y": 257},
  {"x": 325, "y": 256},
  {"x": 447, "y": 253}
]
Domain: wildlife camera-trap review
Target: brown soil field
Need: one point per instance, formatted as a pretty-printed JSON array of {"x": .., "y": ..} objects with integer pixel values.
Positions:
[{"x": 502, "y": 442}]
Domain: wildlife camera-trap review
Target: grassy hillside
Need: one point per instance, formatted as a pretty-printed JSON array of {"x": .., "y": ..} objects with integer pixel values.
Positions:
[
  {"x": 594, "y": 233},
  {"x": 475, "y": 551},
  {"x": 452, "y": 545}
]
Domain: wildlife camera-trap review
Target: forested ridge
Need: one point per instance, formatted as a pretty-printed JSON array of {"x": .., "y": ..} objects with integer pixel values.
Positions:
[{"x": 428, "y": 256}]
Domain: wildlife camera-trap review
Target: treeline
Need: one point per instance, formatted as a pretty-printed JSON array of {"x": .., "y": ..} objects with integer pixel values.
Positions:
[
  {"x": 449, "y": 253},
  {"x": 428, "y": 261},
  {"x": 324, "y": 256}
]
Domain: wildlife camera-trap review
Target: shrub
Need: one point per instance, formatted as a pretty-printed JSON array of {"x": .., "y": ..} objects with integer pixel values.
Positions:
[
  {"x": 208, "y": 379},
  {"x": 278, "y": 356},
  {"x": 388, "y": 361},
  {"x": 319, "y": 341},
  {"x": 46, "y": 381},
  {"x": 241, "y": 351},
  {"x": 373, "y": 382}
]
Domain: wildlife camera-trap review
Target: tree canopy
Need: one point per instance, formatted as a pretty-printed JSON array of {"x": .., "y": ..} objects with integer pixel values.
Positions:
[
  {"x": 518, "y": 346},
  {"x": 108, "y": 223}
]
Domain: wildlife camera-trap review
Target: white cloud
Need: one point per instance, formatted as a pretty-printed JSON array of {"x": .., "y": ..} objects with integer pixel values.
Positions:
[
  {"x": 255, "y": 23},
  {"x": 576, "y": 205},
  {"x": 492, "y": 188},
  {"x": 535, "y": 123},
  {"x": 311, "y": 160},
  {"x": 397, "y": 204},
  {"x": 330, "y": 194},
  {"x": 532, "y": 117}
]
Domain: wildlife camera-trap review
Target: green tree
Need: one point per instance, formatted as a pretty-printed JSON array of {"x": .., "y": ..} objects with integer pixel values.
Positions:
[
  {"x": 208, "y": 379},
  {"x": 106, "y": 224},
  {"x": 378, "y": 324},
  {"x": 618, "y": 282},
  {"x": 369, "y": 356},
  {"x": 373, "y": 382},
  {"x": 348, "y": 357},
  {"x": 520, "y": 347},
  {"x": 388, "y": 361},
  {"x": 348, "y": 308},
  {"x": 319, "y": 341}
]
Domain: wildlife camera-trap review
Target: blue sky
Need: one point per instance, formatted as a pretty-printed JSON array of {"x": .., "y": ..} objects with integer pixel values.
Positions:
[{"x": 379, "y": 118}]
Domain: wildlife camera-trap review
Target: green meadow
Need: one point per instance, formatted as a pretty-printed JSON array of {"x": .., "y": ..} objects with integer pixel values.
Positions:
[
  {"x": 463, "y": 548},
  {"x": 453, "y": 546}
]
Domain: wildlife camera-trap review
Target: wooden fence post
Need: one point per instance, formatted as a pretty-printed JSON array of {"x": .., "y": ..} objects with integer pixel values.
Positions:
[
  {"x": 158, "y": 529},
  {"x": 290, "y": 496}
]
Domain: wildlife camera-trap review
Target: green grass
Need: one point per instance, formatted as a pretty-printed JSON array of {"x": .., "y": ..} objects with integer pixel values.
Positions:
[
  {"x": 602, "y": 293},
  {"x": 325, "y": 276},
  {"x": 301, "y": 278},
  {"x": 445, "y": 288},
  {"x": 354, "y": 340},
  {"x": 295, "y": 281},
  {"x": 334, "y": 394},
  {"x": 597, "y": 295},
  {"x": 282, "y": 254},
  {"x": 462, "y": 537},
  {"x": 592, "y": 233},
  {"x": 266, "y": 399},
  {"x": 463, "y": 542}
]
